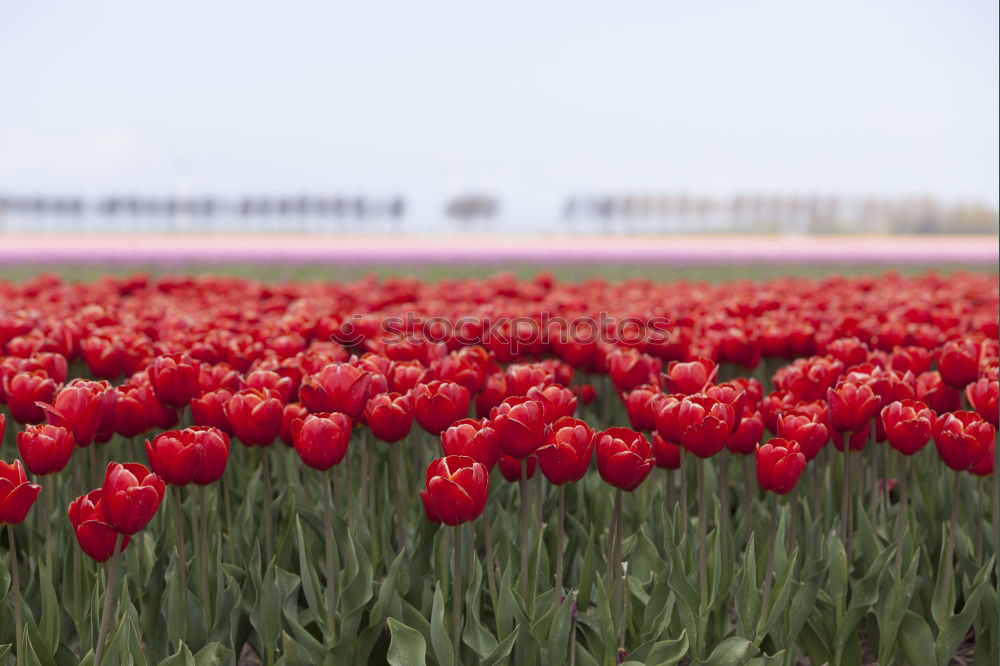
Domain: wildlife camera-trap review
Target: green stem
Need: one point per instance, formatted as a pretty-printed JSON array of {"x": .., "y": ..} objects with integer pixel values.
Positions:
[
  {"x": 794, "y": 522},
  {"x": 949, "y": 549},
  {"x": 109, "y": 595},
  {"x": 684, "y": 492},
  {"x": 616, "y": 564},
  {"x": 179, "y": 532},
  {"x": 331, "y": 617},
  {"x": 748, "y": 493},
  {"x": 204, "y": 552},
  {"x": 490, "y": 566},
  {"x": 15, "y": 578},
  {"x": 396, "y": 462},
  {"x": 456, "y": 597},
  {"x": 525, "y": 513},
  {"x": 903, "y": 509},
  {"x": 266, "y": 505},
  {"x": 769, "y": 568},
  {"x": 560, "y": 539},
  {"x": 702, "y": 535},
  {"x": 847, "y": 531}
]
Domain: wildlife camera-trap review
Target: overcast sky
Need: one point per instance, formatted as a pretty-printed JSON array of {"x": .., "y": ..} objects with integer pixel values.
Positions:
[{"x": 531, "y": 100}]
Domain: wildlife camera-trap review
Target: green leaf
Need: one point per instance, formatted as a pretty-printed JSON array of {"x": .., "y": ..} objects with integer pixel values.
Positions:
[
  {"x": 782, "y": 591},
  {"x": 916, "y": 640},
  {"x": 265, "y": 616},
  {"x": 183, "y": 657},
  {"x": 503, "y": 649},
  {"x": 956, "y": 626},
  {"x": 559, "y": 633},
  {"x": 176, "y": 611},
  {"x": 588, "y": 570},
  {"x": 310, "y": 585},
  {"x": 440, "y": 638},
  {"x": 662, "y": 653},
  {"x": 213, "y": 654},
  {"x": 733, "y": 651},
  {"x": 50, "y": 625},
  {"x": 407, "y": 646},
  {"x": 864, "y": 594},
  {"x": 475, "y": 635},
  {"x": 748, "y": 593}
]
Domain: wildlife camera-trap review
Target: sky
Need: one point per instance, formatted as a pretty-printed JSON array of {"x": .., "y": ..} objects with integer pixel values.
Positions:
[{"x": 532, "y": 101}]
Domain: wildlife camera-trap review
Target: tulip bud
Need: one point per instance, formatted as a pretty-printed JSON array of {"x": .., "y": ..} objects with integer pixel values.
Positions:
[
  {"x": 962, "y": 439},
  {"x": 457, "y": 487},
  {"x": 321, "y": 440},
  {"x": 389, "y": 417},
  {"x": 174, "y": 378},
  {"x": 665, "y": 454},
  {"x": 805, "y": 429},
  {"x": 93, "y": 532},
  {"x": 568, "y": 449},
  {"x": 984, "y": 397},
  {"x": 45, "y": 449},
  {"x": 475, "y": 438},
  {"x": 16, "y": 494},
  {"x": 338, "y": 387},
  {"x": 255, "y": 417},
  {"x": 131, "y": 495},
  {"x": 852, "y": 406},
  {"x": 779, "y": 465},
  {"x": 624, "y": 458},
  {"x": 520, "y": 426},
  {"x": 704, "y": 425},
  {"x": 908, "y": 425},
  {"x": 690, "y": 377},
  {"x": 438, "y": 404}
]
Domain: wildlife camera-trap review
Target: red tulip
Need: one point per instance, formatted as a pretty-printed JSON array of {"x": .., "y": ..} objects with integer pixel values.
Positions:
[
  {"x": 640, "y": 405},
  {"x": 210, "y": 410},
  {"x": 104, "y": 356},
  {"x": 268, "y": 379},
  {"x": 81, "y": 407},
  {"x": 457, "y": 487},
  {"x": 704, "y": 425},
  {"x": 690, "y": 377},
  {"x": 624, "y": 458},
  {"x": 214, "y": 444},
  {"x": 196, "y": 454},
  {"x": 908, "y": 425},
  {"x": 937, "y": 395},
  {"x": 962, "y": 439},
  {"x": 46, "y": 449},
  {"x": 321, "y": 440},
  {"x": 779, "y": 465},
  {"x": 856, "y": 441},
  {"x": 732, "y": 395},
  {"x": 520, "y": 426},
  {"x": 630, "y": 368},
  {"x": 16, "y": 494},
  {"x": 569, "y": 446},
  {"x": 292, "y": 412},
  {"x": 338, "y": 387},
  {"x": 809, "y": 378},
  {"x": 389, "y": 417},
  {"x": 556, "y": 400},
  {"x": 958, "y": 363},
  {"x": 255, "y": 417},
  {"x": 805, "y": 429},
  {"x": 474, "y": 438},
  {"x": 747, "y": 436},
  {"x": 24, "y": 390},
  {"x": 438, "y": 404},
  {"x": 511, "y": 468},
  {"x": 90, "y": 524},
  {"x": 852, "y": 406},
  {"x": 174, "y": 378},
  {"x": 984, "y": 397},
  {"x": 131, "y": 495},
  {"x": 665, "y": 454},
  {"x": 986, "y": 461}
]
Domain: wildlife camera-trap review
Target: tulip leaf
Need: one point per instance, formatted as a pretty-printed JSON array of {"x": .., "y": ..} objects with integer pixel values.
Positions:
[
  {"x": 213, "y": 654},
  {"x": 779, "y": 598},
  {"x": 307, "y": 572},
  {"x": 50, "y": 620},
  {"x": 407, "y": 646},
  {"x": 733, "y": 651},
  {"x": 864, "y": 594},
  {"x": 476, "y": 636},
  {"x": 916, "y": 640},
  {"x": 661, "y": 653},
  {"x": 957, "y": 626},
  {"x": 440, "y": 638},
  {"x": 559, "y": 633},
  {"x": 183, "y": 657},
  {"x": 748, "y": 593},
  {"x": 502, "y": 650}
]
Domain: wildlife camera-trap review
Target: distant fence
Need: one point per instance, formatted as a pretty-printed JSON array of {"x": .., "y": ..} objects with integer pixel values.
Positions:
[{"x": 624, "y": 214}]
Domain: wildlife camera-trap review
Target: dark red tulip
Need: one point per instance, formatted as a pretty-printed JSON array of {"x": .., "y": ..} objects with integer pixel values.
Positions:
[
  {"x": 321, "y": 440},
  {"x": 457, "y": 487},
  {"x": 732, "y": 395},
  {"x": 664, "y": 409},
  {"x": 81, "y": 407},
  {"x": 404, "y": 375},
  {"x": 131, "y": 494},
  {"x": 24, "y": 390},
  {"x": 849, "y": 351},
  {"x": 585, "y": 392},
  {"x": 429, "y": 511},
  {"x": 210, "y": 410},
  {"x": 804, "y": 428},
  {"x": 196, "y": 454},
  {"x": 255, "y": 417},
  {"x": 937, "y": 395},
  {"x": 389, "y": 417},
  {"x": 494, "y": 391},
  {"x": 568, "y": 449},
  {"x": 214, "y": 444},
  {"x": 438, "y": 404},
  {"x": 911, "y": 359},
  {"x": 520, "y": 426},
  {"x": 962, "y": 439},
  {"x": 557, "y": 401},
  {"x": 747, "y": 436},
  {"x": 852, "y": 406},
  {"x": 174, "y": 378},
  {"x": 640, "y": 405},
  {"x": 779, "y": 465},
  {"x": 93, "y": 531},
  {"x": 132, "y": 409},
  {"x": 958, "y": 363},
  {"x": 809, "y": 378},
  {"x": 908, "y": 425},
  {"x": 665, "y": 454},
  {"x": 855, "y": 440},
  {"x": 773, "y": 405},
  {"x": 703, "y": 425},
  {"x": 624, "y": 458},
  {"x": 104, "y": 356},
  {"x": 690, "y": 377},
  {"x": 511, "y": 468},
  {"x": 475, "y": 438},
  {"x": 986, "y": 462},
  {"x": 16, "y": 494},
  {"x": 292, "y": 412},
  {"x": 629, "y": 368},
  {"x": 280, "y": 385},
  {"x": 338, "y": 387},
  {"x": 984, "y": 397},
  {"x": 45, "y": 449}
]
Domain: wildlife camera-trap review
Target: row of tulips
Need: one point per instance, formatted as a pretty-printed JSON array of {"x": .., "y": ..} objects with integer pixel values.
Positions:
[{"x": 332, "y": 564}]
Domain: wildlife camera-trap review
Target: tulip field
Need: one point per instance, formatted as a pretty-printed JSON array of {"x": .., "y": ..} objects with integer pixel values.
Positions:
[{"x": 534, "y": 472}]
